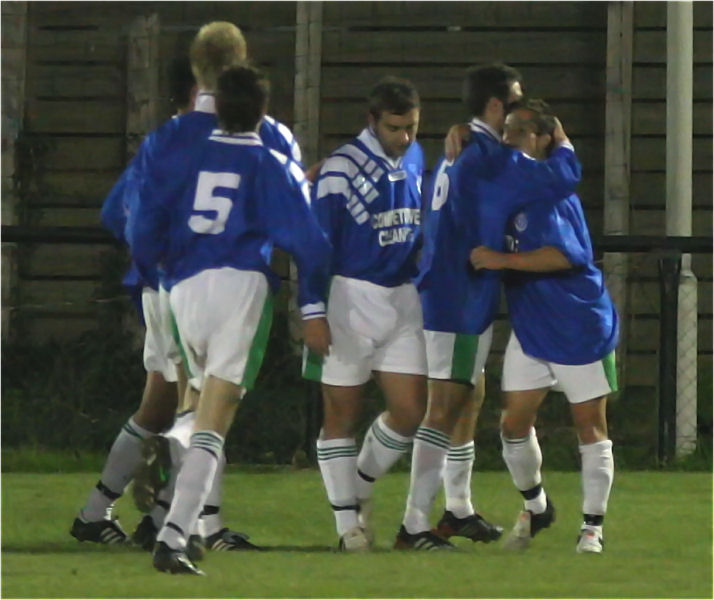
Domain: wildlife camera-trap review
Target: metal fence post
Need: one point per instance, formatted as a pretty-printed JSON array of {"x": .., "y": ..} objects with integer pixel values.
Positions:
[{"x": 670, "y": 264}]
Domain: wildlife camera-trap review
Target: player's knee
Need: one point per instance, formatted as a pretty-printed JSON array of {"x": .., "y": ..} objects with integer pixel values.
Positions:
[
  {"x": 407, "y": 420},
  {"x": 592, "y": 433},
  {"x": 515, "y": 426},
  {"x": 339, "y": 424},
  {"x": 155, "y": 421},
  {"x": 443, "y": 415}
]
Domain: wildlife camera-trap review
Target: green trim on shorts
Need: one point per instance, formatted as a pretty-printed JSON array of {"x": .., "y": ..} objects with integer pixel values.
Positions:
[
  {"x": 312, "y": 365},
  {"x": 464, "y": 358},
  {"x": 260, "y": 343},
  {"x": 312, "y": 369},
  {"x": 177, "y": 338},
  {"x": 608, "y": 364}
]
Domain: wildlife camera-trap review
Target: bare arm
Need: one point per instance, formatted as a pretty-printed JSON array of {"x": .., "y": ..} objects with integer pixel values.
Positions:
[
  {"x": 312, "y": 173},
  {"x": 455, "y": 138},
  {"x": 316, "y": 333},
  {"x": 542, "y": 260}
]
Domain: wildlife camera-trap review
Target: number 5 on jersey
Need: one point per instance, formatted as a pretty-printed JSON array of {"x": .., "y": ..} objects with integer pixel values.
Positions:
[{"x": 207, "y": 200}]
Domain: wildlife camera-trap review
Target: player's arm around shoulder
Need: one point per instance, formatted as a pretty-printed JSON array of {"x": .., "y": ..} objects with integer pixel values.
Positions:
[
  {"x": 558, "y": 175},
  {"x": 542, "y": 260}
]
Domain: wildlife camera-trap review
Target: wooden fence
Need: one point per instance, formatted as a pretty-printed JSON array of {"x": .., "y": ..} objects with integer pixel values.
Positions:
[{"x": 74, "y": 141}]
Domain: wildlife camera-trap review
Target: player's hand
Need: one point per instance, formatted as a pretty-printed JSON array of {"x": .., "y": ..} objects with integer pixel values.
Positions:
[
  {"x": 559, "y": 135},
  {"x": 455, "y": 138},
  {"x": 316, "y": 333},
  {"x": 485, "y": 258},
  {"x": 312, "y": 173}
]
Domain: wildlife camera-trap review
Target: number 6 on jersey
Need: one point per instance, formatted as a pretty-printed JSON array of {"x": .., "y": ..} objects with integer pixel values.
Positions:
[{"x": 207, "y": 200}]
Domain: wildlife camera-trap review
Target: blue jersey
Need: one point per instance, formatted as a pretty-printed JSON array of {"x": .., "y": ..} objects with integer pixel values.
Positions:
[
  {"x": 234, "y": 199},
  {"x": 200, "y": 123},
  {"x": 470, "y": 205},
  {"x": 566, "y": 317},
  {"x": 370, "y": 207},
  {"x": 113, "y": 215}
]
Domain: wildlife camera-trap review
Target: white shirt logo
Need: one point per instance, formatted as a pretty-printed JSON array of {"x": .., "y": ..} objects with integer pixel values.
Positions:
[{"x": 520, "y": 222}]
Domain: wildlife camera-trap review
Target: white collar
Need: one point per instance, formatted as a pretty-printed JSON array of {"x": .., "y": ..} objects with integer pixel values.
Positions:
[
  {"x": 245, "y": 135},
  {"x": 370, "y": 140},
  {"x": 477, "y": 125},
  {"x": 205, "y": 102}
]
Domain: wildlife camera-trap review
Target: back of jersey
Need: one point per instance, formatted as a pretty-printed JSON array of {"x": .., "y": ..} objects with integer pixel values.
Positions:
[{"x": 217, "y": 220}]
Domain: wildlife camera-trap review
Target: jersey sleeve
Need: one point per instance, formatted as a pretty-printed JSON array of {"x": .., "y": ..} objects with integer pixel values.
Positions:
[
  {"x": 284, "y": 211},
  {"x": 558, "y": 175},
  {"x": 115, "y": 208},
  {"x": 525, "y": 179},
  {"x": 277, "y": 136},
  {"x": 148, "y": 218},
  {"x": 330, "y": 197},
  {"x": 567, "y": 231}
]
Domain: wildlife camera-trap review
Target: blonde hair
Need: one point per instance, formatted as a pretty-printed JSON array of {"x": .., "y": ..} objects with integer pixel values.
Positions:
[{"x": 217, "y": 46}]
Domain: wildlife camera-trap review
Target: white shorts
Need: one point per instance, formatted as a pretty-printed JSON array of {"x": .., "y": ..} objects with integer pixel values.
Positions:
[
  {"x": 223, "y": 318},
  {"x": 457, "y": 356},
  {"x": 578, "y": 382},
  {"x": 159, "y": 339},
  {"x": 373, "y": 328},
  {"x": 173, "y": 351}
]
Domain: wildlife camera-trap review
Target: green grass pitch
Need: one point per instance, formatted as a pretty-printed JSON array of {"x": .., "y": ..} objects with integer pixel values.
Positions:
[{"x": 658, "y": 536}]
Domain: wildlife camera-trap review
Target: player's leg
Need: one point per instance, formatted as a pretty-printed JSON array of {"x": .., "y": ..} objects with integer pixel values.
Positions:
[
  {"x": 177, "y": 439},
  {"x": 342, "y": 375},
  {"x": 382, "y": 447},
  {"x": 460, "y": 517},
  {"x": 392, "y": 433},
  {"x": 227, "y": 334},
  {"x": 337, "y": 459},
  {"x": 153, "y": 473},
  {"x": 216, "y": 410},
  {"x": 431, "y": 445},
  {"x": 215, "y": 534},
  {"x": 460, "y": 460},
  {"x": 525, "y": 383},
  {"x": 156, "y": 413},
  {"x": 587, "y": 387}
]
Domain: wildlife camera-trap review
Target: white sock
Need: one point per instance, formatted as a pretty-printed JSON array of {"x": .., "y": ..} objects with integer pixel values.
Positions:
[
  {"x": 598, "y": 471},
  {"x": 338, "y": 464},
  {"x": 428, "y": 463},
  {"x": 192, "y": 487},
  {"x": 524, "y": 459},
  {"x": 211, "y": 517},
  {"x": 182, "y": 428},
  {"x": 457, "y": 480},
  {"x": 124, "y": 457},
  {"x": 382, "y": 447}
]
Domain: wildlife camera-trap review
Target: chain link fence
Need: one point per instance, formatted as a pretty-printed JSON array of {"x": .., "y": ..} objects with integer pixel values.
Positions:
[{"x": 75, "y": 394}]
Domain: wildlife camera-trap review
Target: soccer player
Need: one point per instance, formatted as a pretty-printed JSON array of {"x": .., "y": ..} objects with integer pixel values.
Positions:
[
  {"x": 367, "y": 199},
  {"x": 565, "y": 329},
  {"x": 211, "y": 212},
  {"x": 155, "y": 477},
  {"x": 471, "y": 202},
  {"x": 217, "y": 45}
]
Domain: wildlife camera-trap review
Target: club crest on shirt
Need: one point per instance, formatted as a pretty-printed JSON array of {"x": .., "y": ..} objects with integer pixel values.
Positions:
[{"x": 520, "y": 222}]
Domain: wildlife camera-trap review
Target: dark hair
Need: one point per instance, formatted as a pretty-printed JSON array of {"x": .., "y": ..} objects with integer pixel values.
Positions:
[
  {"x": 181, "y": 82},
  {"x": 542, "y": 117},
  {"x": 484, "y": 82},
  {"x": 241, "y": 98},
  {"x": 394, "y": 95}
]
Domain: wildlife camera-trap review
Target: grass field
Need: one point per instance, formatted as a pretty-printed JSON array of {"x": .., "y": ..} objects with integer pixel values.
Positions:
[{"x": 658, "y": 544}]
